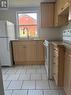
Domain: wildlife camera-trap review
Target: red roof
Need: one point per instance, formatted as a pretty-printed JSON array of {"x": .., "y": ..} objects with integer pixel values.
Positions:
[{"x": 27, "y": 20}]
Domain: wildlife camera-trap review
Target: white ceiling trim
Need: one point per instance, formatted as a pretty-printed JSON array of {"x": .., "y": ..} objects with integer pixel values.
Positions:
[{"x": 27, "y": 3}]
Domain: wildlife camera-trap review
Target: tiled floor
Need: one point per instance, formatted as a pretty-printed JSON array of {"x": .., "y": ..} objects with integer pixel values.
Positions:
[{"x": 28, "y": 80}]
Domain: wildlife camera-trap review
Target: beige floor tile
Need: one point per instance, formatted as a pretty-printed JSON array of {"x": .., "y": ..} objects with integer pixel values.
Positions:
[
  {"x": 32, "y": 78},
  {"x": 41, "y": 71},
  {"x": 28, "y": 85},
  {"x": 21, "y": 71},
  {"x": 6, "y": 84},
  {"x": 13, "y": 77},
  {"x": 24, "y": 77},
  {"x": 20, "y": 92},
  {"x": 50, "y": 92},
  {"x": 11, "y": 71},
  {"x": 30, "y": 71},
  {"x": 8, "y": 92},
  {"x": 35, "y": 76},
  {"x": 35, "y": 92},
  {"x": 4, "y": 70},
  {"x": 15, "y": 85},
  {"x": 5, "y": 76},
  {"x": 44, "y": 77},
  {"x": 42, "y": 84}
]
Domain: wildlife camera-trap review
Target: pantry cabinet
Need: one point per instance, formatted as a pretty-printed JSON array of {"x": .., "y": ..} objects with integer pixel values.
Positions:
[
  {"x": 47, "y": 14},
  {"x": 28, "y": 52},
  {"x": 58, "y": 63},
  {"x": 67, "y": 71}
]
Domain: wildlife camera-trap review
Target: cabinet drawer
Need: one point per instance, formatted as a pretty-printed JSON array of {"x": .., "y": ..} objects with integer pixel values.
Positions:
[
  {"x": 19, "y": 43},
  {"x": 24, "y": 43}
]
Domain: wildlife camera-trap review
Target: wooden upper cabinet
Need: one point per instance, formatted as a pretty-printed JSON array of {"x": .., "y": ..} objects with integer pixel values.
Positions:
[
  {"x": 61, "y": 14},
  {"x": 69, "y": 9},
  {"x": 62, "y": 5},
  {"x": 59, "y": 6},
  {"x": 65, "y": 4},
  {"x": 47, "y": 15}
]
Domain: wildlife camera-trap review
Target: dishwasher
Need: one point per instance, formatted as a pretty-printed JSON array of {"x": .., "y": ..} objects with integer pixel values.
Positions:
[{"x": 48, "y": 58}]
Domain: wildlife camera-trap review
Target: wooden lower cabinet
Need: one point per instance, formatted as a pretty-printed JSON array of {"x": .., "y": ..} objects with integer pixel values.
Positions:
[
  {"x": 19, "y": 53},
  {"x": 58, "y": 63},
  {"x": 28, "y": 52},
  {"x": 67, "y": 71},
  {"x": 31, "y": 51},
  {"x": 40, "y": 52}
]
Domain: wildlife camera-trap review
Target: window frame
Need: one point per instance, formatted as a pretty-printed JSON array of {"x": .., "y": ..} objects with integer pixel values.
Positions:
[{"x": 17, "y": 24}]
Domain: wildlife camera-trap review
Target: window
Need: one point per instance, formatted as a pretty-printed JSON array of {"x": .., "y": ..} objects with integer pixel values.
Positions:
[{"x": 27, "y": 25}]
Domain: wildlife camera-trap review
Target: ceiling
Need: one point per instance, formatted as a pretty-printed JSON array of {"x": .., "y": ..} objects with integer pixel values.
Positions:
[{"x": 26, "y": 3}]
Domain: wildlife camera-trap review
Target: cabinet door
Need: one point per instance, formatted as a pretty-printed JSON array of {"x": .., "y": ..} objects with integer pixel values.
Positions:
[
  {"x": 59, "y": 6},
  {"x": 60, "y": 20},
  {"x": 70, "y": 76},
  {"x": 40, "y": 51},
  {"x": 47, "y": 15},
  {"x": 31, "y": 51},
  {"x": 19, "y": 52},
  {"x": 67, "y": 69},
  {"x": 56, "y": 15},
  {"x": 65, "y": 4},
  {"x": 69, "y": 9}
]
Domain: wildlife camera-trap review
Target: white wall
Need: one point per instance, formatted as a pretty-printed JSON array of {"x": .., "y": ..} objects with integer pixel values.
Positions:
[{"x": 49, "y": 33}]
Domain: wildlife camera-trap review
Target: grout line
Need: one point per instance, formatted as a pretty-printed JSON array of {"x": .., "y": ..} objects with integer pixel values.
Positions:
[
  {"x": 12, "y": 92},
  {"x": 27, "y": 91},
  {"x": 26, "y": 71},
  {"x": 18, "y": 77},
  {"x": 22, "y": 84},
  {"x": 43, "y": 92},
  {"x": 35, "y": 84},
  {"x": 9, "y": 84},
  {"x": 30, "y": 77}
]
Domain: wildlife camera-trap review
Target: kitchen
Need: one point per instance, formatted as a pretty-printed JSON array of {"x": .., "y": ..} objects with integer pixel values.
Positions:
[{"x": 39, "y": 64}]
